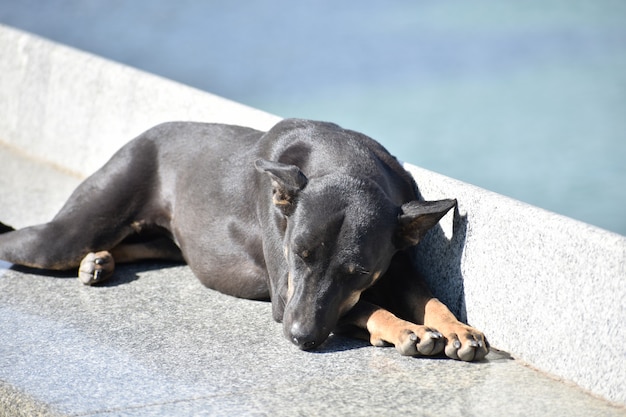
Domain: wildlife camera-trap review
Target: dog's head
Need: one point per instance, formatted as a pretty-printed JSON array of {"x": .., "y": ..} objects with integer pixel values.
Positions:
[{"x": 340, "y": 234}]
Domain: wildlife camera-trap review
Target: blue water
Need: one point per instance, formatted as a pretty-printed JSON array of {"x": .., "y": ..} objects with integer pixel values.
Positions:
[{"x": 525, "y": 98}]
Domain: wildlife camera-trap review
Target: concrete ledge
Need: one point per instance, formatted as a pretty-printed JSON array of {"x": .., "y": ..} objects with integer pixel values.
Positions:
[
  {"x": 75, "y": 109},
  {"x": 544, "y": 287}
]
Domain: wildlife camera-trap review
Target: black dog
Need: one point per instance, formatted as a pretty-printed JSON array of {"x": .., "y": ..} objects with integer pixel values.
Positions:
[{"x": 319, "y": 219}]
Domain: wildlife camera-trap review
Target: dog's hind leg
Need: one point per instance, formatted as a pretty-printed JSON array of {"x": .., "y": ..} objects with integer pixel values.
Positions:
[
  {"x": 97, "y": 267},
  {"x": 54, "y": 246},
  {"x": 88, "y": 239},
  {"x": 82, "y": 239},
  {"x": 112, "y": 204}
]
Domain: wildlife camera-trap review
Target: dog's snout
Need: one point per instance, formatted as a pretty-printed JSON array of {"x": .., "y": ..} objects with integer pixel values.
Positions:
[
  {"x": 305, "y": 345},
  {"x": 301, "y": 338}
]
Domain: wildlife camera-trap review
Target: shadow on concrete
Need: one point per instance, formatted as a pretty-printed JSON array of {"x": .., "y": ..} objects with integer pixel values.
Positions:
[
  {"x": 127, "y": 273},
  {"x": 124, "y": 273},
  {"x": 43, "y": 272},
  {"x": 340, "y": 343},
  {"x": 438, "y": 258}
]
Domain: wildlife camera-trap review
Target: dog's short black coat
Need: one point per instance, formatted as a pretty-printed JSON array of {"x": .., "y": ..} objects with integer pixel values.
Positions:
[{"x": 318, "y": 219}]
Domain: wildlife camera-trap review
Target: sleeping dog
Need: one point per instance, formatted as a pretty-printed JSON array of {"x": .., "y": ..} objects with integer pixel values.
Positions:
[{"x": 320, "y": 220}]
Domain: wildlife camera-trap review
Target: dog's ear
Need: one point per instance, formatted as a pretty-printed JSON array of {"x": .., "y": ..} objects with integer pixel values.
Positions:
[
  {"x": 287, "y": 182},
  {"x": 417, "y": 218}
]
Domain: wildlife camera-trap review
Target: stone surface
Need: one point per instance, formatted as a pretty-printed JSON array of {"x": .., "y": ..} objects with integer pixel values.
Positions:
[
  {"x": 154, "y": 342},
  {"x": 546, "y": 287},
  {"x": 76, "y": 109}
]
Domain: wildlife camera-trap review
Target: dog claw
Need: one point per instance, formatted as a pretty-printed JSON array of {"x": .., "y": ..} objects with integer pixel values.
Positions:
[
  {"x": 420, "y": 342},
  {"x": 431, "y": 344},
  {"x": 473, "y": 348},
  {"x": 95, "y": 268}
]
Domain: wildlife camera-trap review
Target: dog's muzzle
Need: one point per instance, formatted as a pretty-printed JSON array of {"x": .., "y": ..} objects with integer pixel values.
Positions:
[{"x": 303, "y": 338}]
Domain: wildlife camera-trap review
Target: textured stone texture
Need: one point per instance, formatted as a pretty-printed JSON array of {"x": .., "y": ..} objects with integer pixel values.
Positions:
[
  {"x": 545, "y": 287},
  {"x": 75, "y": 109},
  {"x": 155, "y": 342}
]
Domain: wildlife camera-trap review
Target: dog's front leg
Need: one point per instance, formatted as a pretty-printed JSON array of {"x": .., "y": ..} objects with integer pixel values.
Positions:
[
  {"x": 462, "y": 341},
  {"x": 404, "y": 292},
  {"x": 383, "y": 328}
]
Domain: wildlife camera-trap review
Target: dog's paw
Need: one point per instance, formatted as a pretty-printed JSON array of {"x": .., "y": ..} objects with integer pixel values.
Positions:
[
  {"x": 419, "y": 340},
  {"x": 96, "y": 267},
  {"x": 466, "y": 343}
]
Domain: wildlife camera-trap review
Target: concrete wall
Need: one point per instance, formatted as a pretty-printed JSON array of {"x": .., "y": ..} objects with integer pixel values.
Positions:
[
  {"x": 546, "y": 288},
  {"x": 76, "y": 109}
]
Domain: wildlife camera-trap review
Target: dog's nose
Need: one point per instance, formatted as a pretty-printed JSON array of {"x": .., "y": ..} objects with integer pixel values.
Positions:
[
  {"x": 300, "y": 338},
  {"x": 304, "y": 345}
]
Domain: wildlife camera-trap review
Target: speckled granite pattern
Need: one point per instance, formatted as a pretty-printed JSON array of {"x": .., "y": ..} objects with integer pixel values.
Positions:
[
  {"x": 76, "y": 109},
  {"x": 155, "y": 342},
  {"x": 546, "y": 287}
]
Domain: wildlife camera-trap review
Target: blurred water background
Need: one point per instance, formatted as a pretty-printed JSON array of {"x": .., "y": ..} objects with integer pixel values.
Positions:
[{"x": 525, "y": 98}]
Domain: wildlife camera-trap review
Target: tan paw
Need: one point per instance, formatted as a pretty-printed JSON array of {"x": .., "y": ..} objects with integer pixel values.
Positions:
[
  {"x": 466, "y": 343},
  {"x": 96, "y": 267},
  {"x": 416, "y": 340}
]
